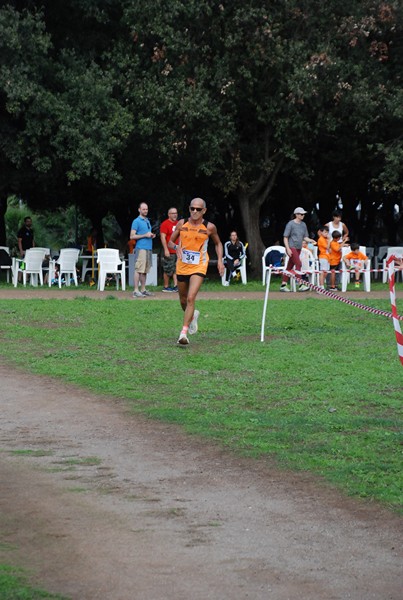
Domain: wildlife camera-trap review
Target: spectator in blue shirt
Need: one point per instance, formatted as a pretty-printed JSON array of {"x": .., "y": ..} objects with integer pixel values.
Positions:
[{"x": 141, "y": 232}]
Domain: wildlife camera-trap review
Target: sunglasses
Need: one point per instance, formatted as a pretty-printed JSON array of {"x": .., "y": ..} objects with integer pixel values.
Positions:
[{"x": 195, "y": 208}]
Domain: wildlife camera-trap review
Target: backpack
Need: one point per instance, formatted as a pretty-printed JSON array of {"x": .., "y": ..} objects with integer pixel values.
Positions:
[{"x": 274, "y": 258}]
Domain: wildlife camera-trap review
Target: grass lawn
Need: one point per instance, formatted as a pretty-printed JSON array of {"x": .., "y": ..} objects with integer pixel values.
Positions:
[
  {"x": 14, "y": 586},
  {"x": 322, "y": 393}
]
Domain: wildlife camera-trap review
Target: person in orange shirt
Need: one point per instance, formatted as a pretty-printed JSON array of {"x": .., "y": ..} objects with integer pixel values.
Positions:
[
  {"x": 323, "y": 254},
  {"x": 92, "y": 241},
  {"x": 131, "y": 244},
  {"x": 335, "y": 247},
  {"x": 191, "y": 268},
  {"x": 356, "y": 260}
]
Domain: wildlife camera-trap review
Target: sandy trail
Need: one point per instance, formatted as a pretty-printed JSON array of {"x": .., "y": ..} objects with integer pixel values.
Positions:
[{"x": 112, "y": 506}]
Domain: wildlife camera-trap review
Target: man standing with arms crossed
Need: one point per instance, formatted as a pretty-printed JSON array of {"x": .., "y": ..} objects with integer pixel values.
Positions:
[
  {"x": 169, "y": 257},
  {"x": 141, "y": 232},
  {"x": 191, "y": 267}
]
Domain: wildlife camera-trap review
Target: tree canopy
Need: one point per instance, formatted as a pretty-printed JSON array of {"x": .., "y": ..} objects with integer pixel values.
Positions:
[{"x": 265, "y": 103}]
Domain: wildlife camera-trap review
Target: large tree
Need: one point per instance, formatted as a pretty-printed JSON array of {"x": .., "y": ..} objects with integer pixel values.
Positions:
[
  {"x": 251, "y": 90},
  {"x": 60, "y": 122},
  {"x": 105, "y": 99}
]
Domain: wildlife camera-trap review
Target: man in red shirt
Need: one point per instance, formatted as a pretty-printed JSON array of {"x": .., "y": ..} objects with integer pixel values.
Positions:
[{"x": 169, "y": 255}]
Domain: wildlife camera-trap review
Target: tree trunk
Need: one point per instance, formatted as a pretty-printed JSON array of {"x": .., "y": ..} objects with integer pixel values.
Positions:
[
  {"x": 250, "y": 211},
  {"x": 3, "y": 210},
  {"x": 251, "y": 200}
]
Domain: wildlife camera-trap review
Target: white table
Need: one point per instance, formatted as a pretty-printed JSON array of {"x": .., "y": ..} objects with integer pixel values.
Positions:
[{"x": 87, "y": 260}]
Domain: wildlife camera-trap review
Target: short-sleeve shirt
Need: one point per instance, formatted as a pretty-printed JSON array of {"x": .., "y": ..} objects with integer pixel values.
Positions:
[
  {"x": 357, "y": 256},
  {"x": 323, "y": 247},
  {"x": 141, "y": 226},
  {"x": 334, "y": 253},
  {"x": 168, "y": 227},
  {"x": 295, "y": 232},
  {"x": 27, "y": 237}
]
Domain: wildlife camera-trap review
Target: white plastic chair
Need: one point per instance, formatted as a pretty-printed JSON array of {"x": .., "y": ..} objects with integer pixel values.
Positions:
[
  {"x": 267, "y": 269},
  {"x": 7, "y": 268},
  {"x": 392, "y": 251},
  {"x": 32, "y": 260},
  {"x": 378, "y": 258},
  {"x": 346, "y": 273},
  {"x": 48, "y": 257},
  {"x": 370, "y": 253},
  {"x": 309, "y": 265},
  {"x": 67, "y": 262},
  {"x": 109, "y": 263}
]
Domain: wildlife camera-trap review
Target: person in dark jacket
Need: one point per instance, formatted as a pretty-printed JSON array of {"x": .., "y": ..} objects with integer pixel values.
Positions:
[{"x": 234, "y": 253}]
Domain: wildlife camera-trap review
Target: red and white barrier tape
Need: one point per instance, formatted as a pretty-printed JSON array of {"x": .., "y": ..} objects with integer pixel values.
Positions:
[
  {"x": 396, "y": 318},
  {"x": 363, "y": 270},
  {"x": 376, "y": 311}
]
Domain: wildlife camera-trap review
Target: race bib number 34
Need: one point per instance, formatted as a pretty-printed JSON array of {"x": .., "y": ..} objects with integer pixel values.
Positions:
[{"x": 190, "y": 258}]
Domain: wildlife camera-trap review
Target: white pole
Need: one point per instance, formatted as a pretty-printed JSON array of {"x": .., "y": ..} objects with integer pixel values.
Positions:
[{"x": 268, "y": 277}]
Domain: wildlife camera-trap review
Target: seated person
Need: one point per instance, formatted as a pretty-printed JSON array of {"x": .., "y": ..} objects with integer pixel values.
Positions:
[
  {"x": 356, "y": 261},
  {"x": 234, "y": 253},
  {"x": 307, "y": 257}
]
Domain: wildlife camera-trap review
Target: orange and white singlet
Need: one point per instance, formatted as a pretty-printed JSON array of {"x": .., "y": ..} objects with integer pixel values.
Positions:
[{"x": 193, "y": 241}]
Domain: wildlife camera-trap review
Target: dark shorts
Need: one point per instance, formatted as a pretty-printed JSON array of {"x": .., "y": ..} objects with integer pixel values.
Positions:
[
  {"x": 169, "y": 264},
  {"x": 186, "y": 278}
]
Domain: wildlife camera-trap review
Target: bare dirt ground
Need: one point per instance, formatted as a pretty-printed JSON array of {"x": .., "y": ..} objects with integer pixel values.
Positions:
[
  {"x": 238, "y": 294},
  {"x": 109, "y": 505}
]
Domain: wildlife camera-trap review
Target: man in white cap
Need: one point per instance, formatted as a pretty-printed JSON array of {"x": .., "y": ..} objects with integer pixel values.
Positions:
[{"x": 294, "y": 234}]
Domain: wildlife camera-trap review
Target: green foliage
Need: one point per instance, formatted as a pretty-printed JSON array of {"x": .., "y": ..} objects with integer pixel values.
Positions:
[
  {"x": 58, "y": 228},
  {"x": 102, "y": 100},
  {"x": 313, "y": 396},
  {"x": 60, "y": 106}
]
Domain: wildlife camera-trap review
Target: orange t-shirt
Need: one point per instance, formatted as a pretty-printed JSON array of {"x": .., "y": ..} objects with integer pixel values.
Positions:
[
  {"x": 193, "y": 240},
  {"x": 355, "y": 256},
  {"x": 322, "y": 247},
  {"x": 334, "y": 253},
  {"x": 131, "y": 244}
]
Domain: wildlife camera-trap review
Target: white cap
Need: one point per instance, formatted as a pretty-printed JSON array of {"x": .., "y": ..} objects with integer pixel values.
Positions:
[{"x": 300, "y": 210}]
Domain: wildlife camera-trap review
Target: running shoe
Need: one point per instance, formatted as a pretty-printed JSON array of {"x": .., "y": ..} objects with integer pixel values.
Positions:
[
  {"x": 303, "y": 288},
  {"x": 284, "y": 288},
  {"x": 175, "y": 288},
  {"x": 138, "y": 295},
  {"x": 226, "y": 283},
  {"x": 183, "y": 340},
  {"x": 193, "y": 324},
  {"x": 167, "y": 289},
  {"x": 147, "y": 293}
]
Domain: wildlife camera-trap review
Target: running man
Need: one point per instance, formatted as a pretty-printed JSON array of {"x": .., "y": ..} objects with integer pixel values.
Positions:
[{"x": 192, "y": 263}]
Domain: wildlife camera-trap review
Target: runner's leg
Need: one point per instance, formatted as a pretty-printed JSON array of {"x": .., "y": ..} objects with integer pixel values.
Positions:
[{"x": 194, "y": 287}]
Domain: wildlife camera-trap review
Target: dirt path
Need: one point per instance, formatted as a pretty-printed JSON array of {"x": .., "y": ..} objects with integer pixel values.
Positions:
[
  {"x": 239, "y": 293},
  {"x": 112, "y": 506}
]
